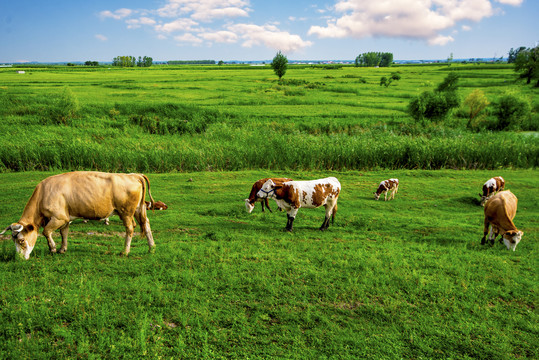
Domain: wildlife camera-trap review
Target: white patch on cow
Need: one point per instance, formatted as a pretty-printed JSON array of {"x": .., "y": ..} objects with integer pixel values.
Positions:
[
  {"x": 24, "y": 251},
  {"x": 249, "y": 206},
  {"x": 491, "y": 183},
  {"x": 512, "y": 242}
]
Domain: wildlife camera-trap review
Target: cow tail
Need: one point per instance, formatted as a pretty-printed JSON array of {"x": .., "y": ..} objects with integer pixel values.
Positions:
[{"x": 142, "y": 214}]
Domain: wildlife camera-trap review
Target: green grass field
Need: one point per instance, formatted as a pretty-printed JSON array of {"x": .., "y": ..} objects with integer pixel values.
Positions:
[
  {"x": 166, "y": 119},
  {"x": 400, "y": 279},
  {"x": 404, "y": 279}
]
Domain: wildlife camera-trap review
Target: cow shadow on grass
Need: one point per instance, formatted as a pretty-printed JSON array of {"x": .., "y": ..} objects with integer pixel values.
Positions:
[{"x": 469, "y": 200}]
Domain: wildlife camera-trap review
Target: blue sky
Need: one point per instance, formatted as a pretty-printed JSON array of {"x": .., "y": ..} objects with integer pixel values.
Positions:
[{"x": 61, "y": 30}]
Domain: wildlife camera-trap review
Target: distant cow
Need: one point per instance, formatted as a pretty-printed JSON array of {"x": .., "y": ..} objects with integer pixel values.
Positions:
[
  {"x": 500, "y": 210},
  {"x": 492, "y": 186},
  {"x": 158, "y": 205},
  {"x": 292, "y": 195},
  {"x": 253, "y": 198},
  {"x": 385, "y": 186},
  {"x": 59, "y": 199}
]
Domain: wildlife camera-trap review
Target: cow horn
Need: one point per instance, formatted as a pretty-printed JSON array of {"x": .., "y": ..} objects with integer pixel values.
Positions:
[{"x": 6, "y": 229}]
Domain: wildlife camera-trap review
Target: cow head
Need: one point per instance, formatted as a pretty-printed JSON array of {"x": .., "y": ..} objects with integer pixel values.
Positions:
[
  {"x": 250, "y": 207},
  {"x": 159, "y": 205},
  {"x": 268, "y": 189},
  {"x": 483, "y": 200},
  {"x": 24, "y": 237},
  {"x": 512, "y": 238},
  {"x": 377, "y": 195}
]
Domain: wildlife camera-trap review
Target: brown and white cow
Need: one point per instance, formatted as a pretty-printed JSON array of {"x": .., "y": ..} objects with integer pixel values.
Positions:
[
  {"x": 292, "y": 195},
  {"x": 492, "y": 186},
  {"x": 253, "y": 198},
  {"x": 59, "y": 199},
  {"x": 500, "y": 211},
  {"x": 385, "y": 186},
  {"x": 158, "y": 205}
]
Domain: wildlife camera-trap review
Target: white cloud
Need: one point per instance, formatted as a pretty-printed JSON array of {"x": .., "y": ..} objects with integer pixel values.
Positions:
[
  {"x": 510, "y": 2},
  {"x": 181, "y": 19},
  {"x": 269, "y": 36},
  {"x": 466, "y": 28},
  {"x": 117, "y": 15},
  {"x": 178, "y": 25},
  {"x": 421, "y": 19},
  {"x": 205, "y": 10},
  {"x": 440, "y": 40},
  {"x": 189, "y": 38},
  {"x": 101, "y": 37},
  {"x": 136, "y": 23},
  {"x": 220, "y": 37}
]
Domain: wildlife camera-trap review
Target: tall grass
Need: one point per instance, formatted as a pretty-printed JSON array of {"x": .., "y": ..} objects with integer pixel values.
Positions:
[{"x": 225, "y": 147}]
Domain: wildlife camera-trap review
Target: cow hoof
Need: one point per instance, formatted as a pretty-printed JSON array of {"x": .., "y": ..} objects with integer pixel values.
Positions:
[
  {"x": 53, "y": 251},
  {"x": 152, "y": 250},
  {"x": 61, "y": 251},
  {"x": 124, "y": 254}
]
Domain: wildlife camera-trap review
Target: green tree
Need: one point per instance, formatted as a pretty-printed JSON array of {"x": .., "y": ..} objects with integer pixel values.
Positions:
[
  {"x": 514, "y": 53},
  {"x": 527, "y": 64},
  {"x": 511, "y": 110},
  {"x": 279, "y": 64},
  {"x": 476, "y": 102},
  {"x": 450, "y": 83},
  {"x": 147, "y": 61},
  {"x": 373, "y": 59}
]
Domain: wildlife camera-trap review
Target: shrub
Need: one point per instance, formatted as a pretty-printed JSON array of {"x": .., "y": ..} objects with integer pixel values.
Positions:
[
  {"x": 476, "y": 102},
  {"x": 432, "y": 105},
  {"x": 66, "y": 108},
  {"x": 511, "y": 111},
  {"x": 436, "y": 105}
]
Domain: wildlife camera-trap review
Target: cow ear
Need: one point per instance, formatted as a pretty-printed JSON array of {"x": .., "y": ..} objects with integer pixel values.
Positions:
[{"x": 30, "y": 227}]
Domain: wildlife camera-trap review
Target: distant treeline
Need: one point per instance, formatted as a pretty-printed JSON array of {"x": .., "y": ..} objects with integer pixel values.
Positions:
[
  {"x": 373, "y": 59},
  {"x": 191, "y": 62}
]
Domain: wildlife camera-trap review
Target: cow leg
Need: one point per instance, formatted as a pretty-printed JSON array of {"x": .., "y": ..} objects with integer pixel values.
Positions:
[
  {"x": 149, "y": 236},
  {"x": 493, "y": 235},
  {"x": 262, "y": 204},
  {"x": 289, "y": 223},
  {"x": 485, "y": 232},
  {"x": 325, "y": 224},
  {"x": 129, "y": 223},
  {"x": 291, "y": 215},
  {"x": 51, "y": 226},
  {"x": 63, "y": 231},
  {"x": 385, "y": 195}
]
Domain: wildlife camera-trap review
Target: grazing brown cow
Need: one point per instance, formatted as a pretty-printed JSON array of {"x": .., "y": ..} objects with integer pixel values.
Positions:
[
  {"x": 292, "y": 195},
  {"x": 492, "y": 186},
  {"x": 158, "y": 205},
  {"x": 385, "y": 186},
  {"x": 500, "y": 211},
  {"x": 253, "y": 198},
  {"x": 59, "y": 199}
]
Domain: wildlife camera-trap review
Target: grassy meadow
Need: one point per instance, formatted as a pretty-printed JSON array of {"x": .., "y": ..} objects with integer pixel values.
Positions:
[
  {"x": 405, "y": 279},
  {"x": 233, "y": 118}
]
